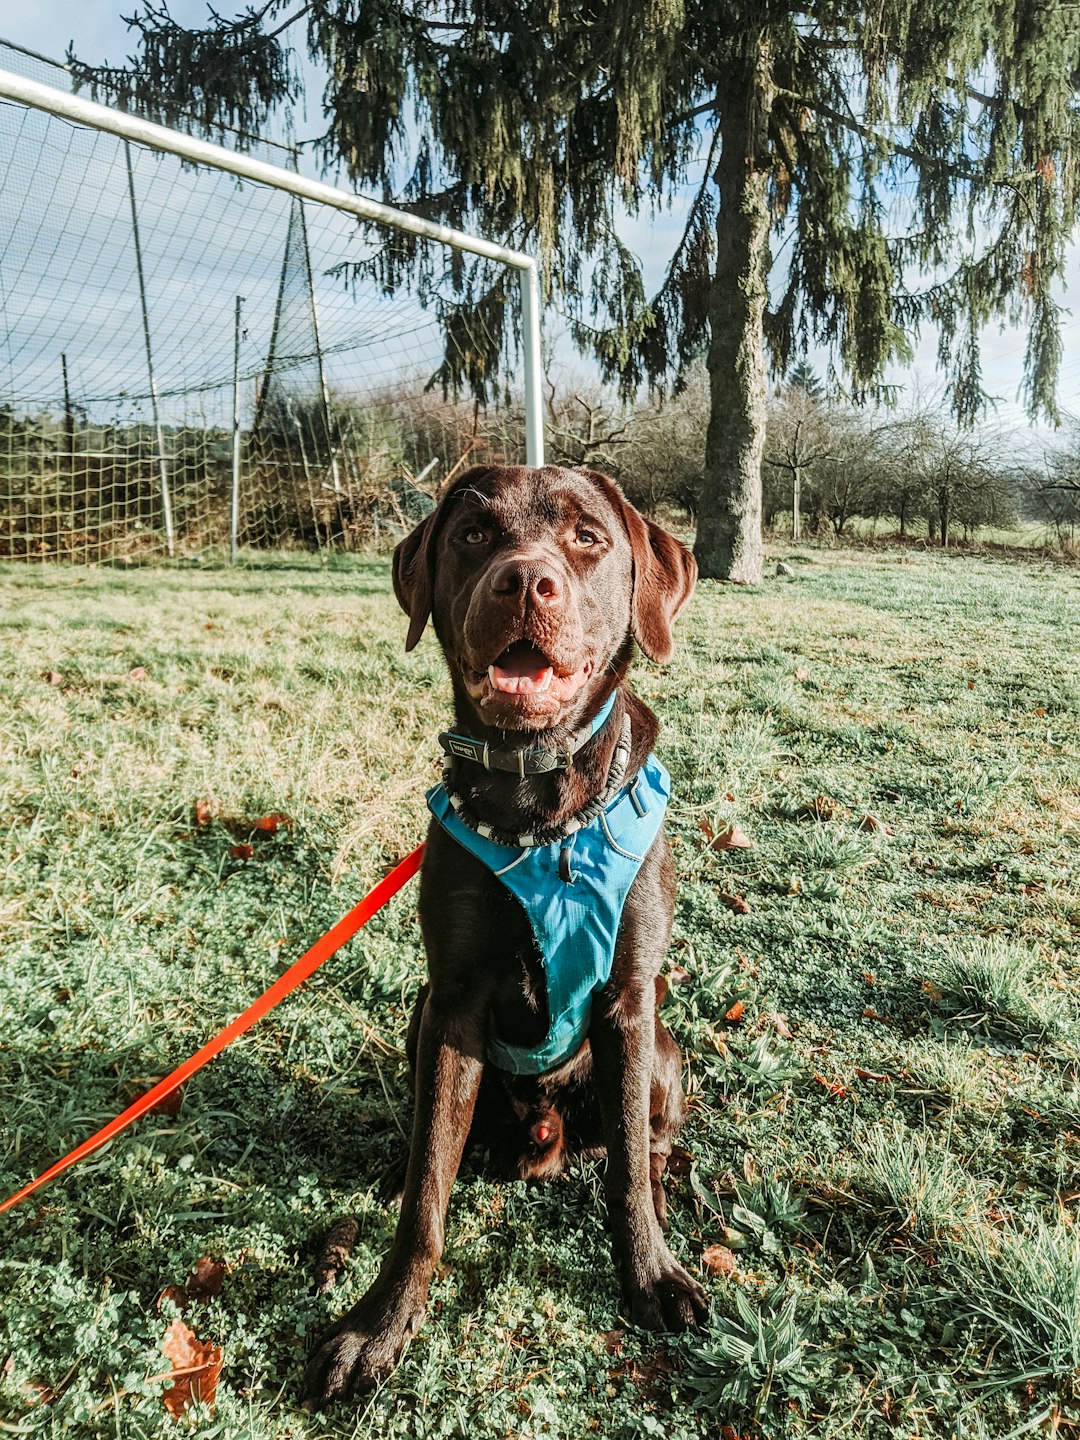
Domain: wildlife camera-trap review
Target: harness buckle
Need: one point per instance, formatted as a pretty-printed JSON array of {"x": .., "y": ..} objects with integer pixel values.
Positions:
[{"x": 635, "y": 799}]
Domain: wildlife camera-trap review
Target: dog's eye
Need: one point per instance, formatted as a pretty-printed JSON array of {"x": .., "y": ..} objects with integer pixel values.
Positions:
[
  {"x": 475, "y": 536},
  {"x": 585, "y": 538}
]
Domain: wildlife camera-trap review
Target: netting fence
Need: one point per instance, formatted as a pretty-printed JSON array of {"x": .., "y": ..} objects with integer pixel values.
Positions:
[{"x": 195, "y": 362}]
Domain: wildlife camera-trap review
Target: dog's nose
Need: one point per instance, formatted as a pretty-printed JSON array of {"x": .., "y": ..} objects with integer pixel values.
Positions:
[{"x": 528, "y": 577}]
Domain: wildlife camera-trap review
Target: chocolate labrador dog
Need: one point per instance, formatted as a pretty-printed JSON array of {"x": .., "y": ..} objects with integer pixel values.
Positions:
[{"x": 547, "y": 886}]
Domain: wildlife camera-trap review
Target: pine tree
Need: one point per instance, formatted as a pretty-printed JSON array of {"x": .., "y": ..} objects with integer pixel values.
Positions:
[{"x": 917, "y": 158}]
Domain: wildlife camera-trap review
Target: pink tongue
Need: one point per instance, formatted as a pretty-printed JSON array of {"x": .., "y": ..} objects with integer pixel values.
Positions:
[{"x": 527, "y": 663}]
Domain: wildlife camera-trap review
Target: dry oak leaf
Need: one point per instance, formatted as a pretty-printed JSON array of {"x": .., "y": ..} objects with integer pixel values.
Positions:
[
  {"x": 731, "y": 839},
  {"x": 242, "y": 852},
  {"x": 735, "y": 903},
  {"x": 718, "y": 1260},
  {"x": 196, "y": 1366},
  {"x": 735, "y": 1013}
]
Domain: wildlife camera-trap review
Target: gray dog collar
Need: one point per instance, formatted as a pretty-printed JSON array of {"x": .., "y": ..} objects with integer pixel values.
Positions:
[{"x": 536, "y": 761}]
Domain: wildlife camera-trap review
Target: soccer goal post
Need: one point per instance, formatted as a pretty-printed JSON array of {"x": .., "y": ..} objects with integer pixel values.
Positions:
[{"x": 203, "y": 362}]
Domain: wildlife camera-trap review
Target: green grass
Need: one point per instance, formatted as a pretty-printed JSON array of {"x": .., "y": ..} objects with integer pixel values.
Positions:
[{"x": 888, "y": 1136}]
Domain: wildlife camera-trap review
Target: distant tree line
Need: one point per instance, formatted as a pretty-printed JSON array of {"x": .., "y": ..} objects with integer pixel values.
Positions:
[{"x": 911, "y": 469}]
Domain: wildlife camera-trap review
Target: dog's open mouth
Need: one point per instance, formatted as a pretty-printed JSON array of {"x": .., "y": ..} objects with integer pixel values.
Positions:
[
  {"x": 521, "y": 669},
  {"x": 522, "y": 676}
]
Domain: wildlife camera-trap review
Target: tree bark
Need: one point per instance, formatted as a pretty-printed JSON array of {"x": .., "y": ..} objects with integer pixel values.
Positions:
[{"x": 729, "y": 544}]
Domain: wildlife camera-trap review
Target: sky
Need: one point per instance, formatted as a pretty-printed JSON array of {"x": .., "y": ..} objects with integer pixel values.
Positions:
[{"x": 99, "y": 35}]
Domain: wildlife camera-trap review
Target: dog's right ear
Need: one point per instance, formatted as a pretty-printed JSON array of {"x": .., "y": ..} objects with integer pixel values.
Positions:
[
  {"x": 414, "y": 574},
  {"x": 414, "y": 560}
]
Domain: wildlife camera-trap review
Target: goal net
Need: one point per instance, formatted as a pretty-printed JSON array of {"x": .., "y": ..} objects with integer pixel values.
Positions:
[{"x": 196, "y": 362}]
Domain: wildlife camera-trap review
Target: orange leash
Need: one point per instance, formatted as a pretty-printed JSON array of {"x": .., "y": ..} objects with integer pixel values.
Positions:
[{"x": 296, "y": 974}]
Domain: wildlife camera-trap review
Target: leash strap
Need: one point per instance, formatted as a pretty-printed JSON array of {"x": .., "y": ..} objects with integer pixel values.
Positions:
[{"x": 295, "y": 975}]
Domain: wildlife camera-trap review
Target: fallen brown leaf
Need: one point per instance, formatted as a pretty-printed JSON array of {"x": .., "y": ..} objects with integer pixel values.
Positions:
[
  {"x": 206, "y": 1278},
  {"x": 718, "y": 1260},
  {"x": 871, "y": 822},
  {"x": 735, "y": 1013},
  {"x": 780, "y": 1023},
  {"x": 205, "y": 810},
  {"x": 731, "y": 839},
  {"x": 271, "y": 824},
  {"x": 871, "y": 1014},
  {"x": 139, "y": 672},
  {"x": 334, "y": 1256},
  {"x": 680, "y": 1161},
  {"x": 678, "y": 976},
  {"x": 802, "y": 674},
  {"x": 736, "y": 904},
  {"x": 53, "y": 677},
  {"x": 242, "y": 852},
  {"x": 196, "y": 1366},
  {"x": 883, "y": 1079},
  {"x": 169, "y": 1104}
]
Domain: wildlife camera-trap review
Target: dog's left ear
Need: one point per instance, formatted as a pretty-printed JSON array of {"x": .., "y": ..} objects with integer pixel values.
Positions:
[
  {"x": 665, "y": 574},
  {"x": 414, "y": 574}
]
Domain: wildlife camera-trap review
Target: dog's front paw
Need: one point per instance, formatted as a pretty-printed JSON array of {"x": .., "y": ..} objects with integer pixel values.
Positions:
[
  {"x": 664, "y": 1296},
  {"x": 357, "y": 1354}
]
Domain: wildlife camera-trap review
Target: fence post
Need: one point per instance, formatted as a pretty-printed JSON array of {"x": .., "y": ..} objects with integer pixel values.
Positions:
[
  {"x": 234, "y": 517},
  {"x": 166, "y": 502}
]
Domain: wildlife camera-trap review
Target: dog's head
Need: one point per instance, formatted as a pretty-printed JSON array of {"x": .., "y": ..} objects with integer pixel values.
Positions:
[{"x": 536, "y": 580}]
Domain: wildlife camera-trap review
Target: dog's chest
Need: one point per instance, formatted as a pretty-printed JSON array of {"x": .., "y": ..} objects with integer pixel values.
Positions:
[{"x": 570, "y": 894}]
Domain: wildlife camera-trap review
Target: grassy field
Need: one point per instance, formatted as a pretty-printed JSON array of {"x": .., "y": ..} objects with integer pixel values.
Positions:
[{"x": 882, "y": 1157}]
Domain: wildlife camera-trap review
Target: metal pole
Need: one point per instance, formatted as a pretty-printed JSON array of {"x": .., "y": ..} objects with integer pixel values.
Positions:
[
  {"x": 534, "y": 400},
  {"x": 234, "y": 521},
  {"x": 166, "y": 503},
  {"x": 201, "y": 152},
  {"x": 796, "y": 503}
]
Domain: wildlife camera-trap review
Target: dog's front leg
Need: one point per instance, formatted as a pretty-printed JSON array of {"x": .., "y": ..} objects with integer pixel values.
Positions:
[
  {"x": 367, "y": 1342},
  {"x": 660, "y": 1293}
]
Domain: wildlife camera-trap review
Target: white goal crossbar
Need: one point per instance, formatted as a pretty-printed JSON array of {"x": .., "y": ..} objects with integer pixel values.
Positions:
[{"x": 134, "y": 129}]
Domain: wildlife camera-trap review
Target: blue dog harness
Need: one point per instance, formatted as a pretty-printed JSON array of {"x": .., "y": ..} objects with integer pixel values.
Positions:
[{"x": 573, "y": 893}]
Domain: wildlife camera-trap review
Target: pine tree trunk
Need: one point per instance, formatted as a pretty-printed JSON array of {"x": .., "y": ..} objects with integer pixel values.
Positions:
[{"x": 729, "y": 544}]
